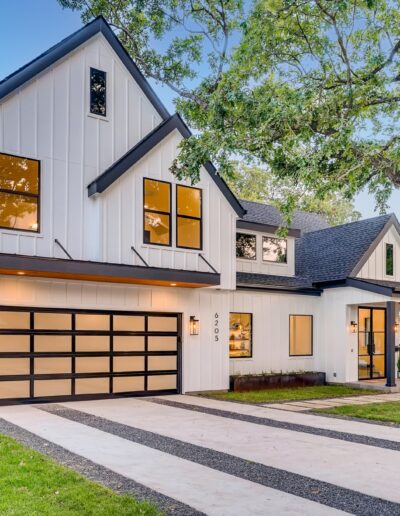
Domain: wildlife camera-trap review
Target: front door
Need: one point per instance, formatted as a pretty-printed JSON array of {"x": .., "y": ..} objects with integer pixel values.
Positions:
[{"x": 371, "y": 343}]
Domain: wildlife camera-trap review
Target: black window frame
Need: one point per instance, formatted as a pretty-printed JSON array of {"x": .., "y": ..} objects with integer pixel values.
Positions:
[
  {"x": 387, "y": 247},
  {"x": 312, "y": 335},
  {"x": 265, "y": 237},
  {"x": 251, "y": 334},
  {"x": 157, "y": 211},
  {"x": 92, "y": 69},
  {"x": 177, "y": 216},
  {"x": 26, "y": 194},
  {"x": 255, "y": 246}
]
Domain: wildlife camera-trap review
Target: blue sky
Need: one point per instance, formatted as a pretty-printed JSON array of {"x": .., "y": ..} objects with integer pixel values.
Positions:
[{"x": 42, "y": 23}]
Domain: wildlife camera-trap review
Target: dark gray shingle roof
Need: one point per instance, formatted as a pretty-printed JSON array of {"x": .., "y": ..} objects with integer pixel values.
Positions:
[
  {"x": 270, "y": 280},
  {"x": 331, "y": 254},
  {"x": 266, "y": 214}
]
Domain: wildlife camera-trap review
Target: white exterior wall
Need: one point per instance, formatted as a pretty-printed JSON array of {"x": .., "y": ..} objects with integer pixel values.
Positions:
[
  {"x": 122, "y": 219},
  {"x": 374, "y": 268},
  {"x": 48, "y": 119},
  {"x": 205, "y": 359},
  {"x": 258, "y": 266}
]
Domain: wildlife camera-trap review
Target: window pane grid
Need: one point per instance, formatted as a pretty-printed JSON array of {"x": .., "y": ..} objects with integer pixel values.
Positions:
[
  {"x": 156, "y": 212},
  {"x": 188, "y": 217}
]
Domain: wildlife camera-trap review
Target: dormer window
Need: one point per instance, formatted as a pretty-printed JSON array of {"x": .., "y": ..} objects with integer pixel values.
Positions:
[
  {"x": 389, "y": 263},
  {"x": 274, "y": 249},
  {"x": 157, "y": 212},
  {"x": 98, "y": 92},
  {"x": 19, "y": 193},
  {"x": 246, "y": 246}
]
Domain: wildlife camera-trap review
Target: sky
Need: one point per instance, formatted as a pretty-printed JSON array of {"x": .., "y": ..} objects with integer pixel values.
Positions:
[{"x": 43, "y": 23}]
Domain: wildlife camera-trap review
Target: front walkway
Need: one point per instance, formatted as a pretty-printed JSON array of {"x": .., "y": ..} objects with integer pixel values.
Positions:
[
  {"x": 196, "y": 455},
  {"x": 305, "y": 405}
]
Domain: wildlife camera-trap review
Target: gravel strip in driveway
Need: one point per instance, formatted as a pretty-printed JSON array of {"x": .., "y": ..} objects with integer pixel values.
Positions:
[
  {"x": 321, "y": 492},
  {"x": 333, "y": 434},
  {"x": 95, "y": 472}
]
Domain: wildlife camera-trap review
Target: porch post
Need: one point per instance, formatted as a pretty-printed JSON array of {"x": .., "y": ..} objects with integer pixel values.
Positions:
[{"x": 390, "y": 341}]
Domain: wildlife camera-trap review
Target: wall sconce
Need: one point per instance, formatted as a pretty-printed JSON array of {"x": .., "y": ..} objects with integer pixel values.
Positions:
[
  {"x": 353, "y": 326},
  {"x": 194, "y": 325},
  {"x": 396, "y": 326}
]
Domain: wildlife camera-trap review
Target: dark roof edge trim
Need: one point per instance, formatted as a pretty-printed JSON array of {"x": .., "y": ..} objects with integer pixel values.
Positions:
[
  {"x": 152, "y": 139},
  {"x": 392, "y": 221},
  {"x": 69, "y": 44},
  {"x": 357, "y": 283},
  {"x": 285, "y": 290},
  {"x": 267, "y": 228}
]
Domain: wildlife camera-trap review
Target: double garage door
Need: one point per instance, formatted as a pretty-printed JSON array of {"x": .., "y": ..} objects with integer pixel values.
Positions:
[{"x": 48, "y": 354}]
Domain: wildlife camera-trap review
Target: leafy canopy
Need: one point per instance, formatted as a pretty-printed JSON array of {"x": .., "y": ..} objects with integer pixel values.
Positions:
[{"x": 307, "y": 88}]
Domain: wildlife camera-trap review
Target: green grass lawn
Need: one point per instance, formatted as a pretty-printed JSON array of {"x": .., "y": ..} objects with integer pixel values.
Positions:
[
  {"x": 292, "y": 394},
  {"x": 388, "y": 411},
  {"x": 32, "y": 484}
]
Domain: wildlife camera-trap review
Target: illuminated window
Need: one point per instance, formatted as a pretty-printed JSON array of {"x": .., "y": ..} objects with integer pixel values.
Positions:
[
  {"x": 246, "y": 246},
  {"x": 240, "y": 335},
  {"x": 300, "y": 335},
  {"x": 19, "y": 193},
  {"x": 188, "y": 217},
  {"x": 157, "y": 212},
  {"x": 389, "y": 259},
  {"x": 274, "y": 249},
  {"x": 98, "y": 92}
]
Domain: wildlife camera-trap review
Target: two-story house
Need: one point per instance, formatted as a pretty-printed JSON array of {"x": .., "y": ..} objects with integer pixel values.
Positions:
[{"x": 117, "y": 279}]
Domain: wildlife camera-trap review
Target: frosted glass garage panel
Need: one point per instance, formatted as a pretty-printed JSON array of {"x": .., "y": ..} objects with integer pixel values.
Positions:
[
  {"x": 59, "y": 365},
  {"x": 92, "y": 322},
  {"x": 52, "y": 344},
  {"x": 162, "y": 323},
  {"x": 92, "y": 365},
  {"x": 52, "y": 388},
  {"x": 52, "y": 321},
  {"x": 14, "y": 320},
  {"x": 14, "y": 343},
  {"x": 16, "y": 389},
  {"x": 127, "y": 364},
  {"x": 166, "y": 381},
  {"x": 159, "y": 343},
  {"x": 92, "y": 385},
  {"x": 162, "y": 363},
  {"x": 92, "y": 343},
  {"x": 128, "y": 384},
  {"x": 128, "y": 343},
  {"x": 128, "y": 323},
  {"x": 11, "y": 366}
]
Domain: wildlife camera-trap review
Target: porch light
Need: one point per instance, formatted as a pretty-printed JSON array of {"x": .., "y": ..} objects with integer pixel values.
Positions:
[
  {"x": 396, "y": 326},
  {"x": 194, "y": 325},
  {"x": 353, "y": 326}
]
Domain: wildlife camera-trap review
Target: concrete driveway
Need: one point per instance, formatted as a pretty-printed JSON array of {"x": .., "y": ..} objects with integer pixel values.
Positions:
[{"x": 192, "y": 455}]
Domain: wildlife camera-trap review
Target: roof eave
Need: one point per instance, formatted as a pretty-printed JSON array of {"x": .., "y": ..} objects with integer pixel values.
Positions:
[{"x": 266, "y": 228}]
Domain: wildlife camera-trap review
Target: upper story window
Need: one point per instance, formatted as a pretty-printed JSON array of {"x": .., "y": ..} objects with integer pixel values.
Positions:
[
  {"x": 246, "y": 246},
  {"x": 389, "y": 262},
  {"x": 157, "y": 212},
  {"x": 19, "y": 193},
  {"x": 98, "y": 92},
  {"x": 300, "y": 335},
  {"x": 188, "y": 217},
  {"x": 274, "y": 249}
]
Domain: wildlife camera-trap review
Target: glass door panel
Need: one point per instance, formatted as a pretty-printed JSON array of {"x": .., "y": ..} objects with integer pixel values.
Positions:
[{"x": 371, "y": 343}]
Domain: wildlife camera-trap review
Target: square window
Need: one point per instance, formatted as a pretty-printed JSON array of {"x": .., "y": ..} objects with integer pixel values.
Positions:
[
  {"x": 246, "y": 246},
  {"x": 274, "y": 249},
  {"x": 240, "y": 335}
]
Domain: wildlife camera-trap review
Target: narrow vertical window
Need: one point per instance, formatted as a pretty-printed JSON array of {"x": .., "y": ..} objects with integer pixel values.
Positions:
[
  {"x": 188, "y": 217},
  {"x": 19, "y": 193},
  {"x": 240, "y": 335},
  {"x": 300, "y": 335},
  {"x": 389, "y": 260},
  {"x": 157, "y": 212},
  {"x": 98, "y": 92}
]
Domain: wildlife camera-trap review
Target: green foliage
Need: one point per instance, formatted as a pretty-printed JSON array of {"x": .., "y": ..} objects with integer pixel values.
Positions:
[
  {"x": 388, "y": 412},
  {"x": 256, "y": 184},
  {"x": 308, "y": 88}
]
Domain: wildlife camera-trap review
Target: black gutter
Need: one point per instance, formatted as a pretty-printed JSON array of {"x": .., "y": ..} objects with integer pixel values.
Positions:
[
  {"x": 265, "y": 228},
  {"x": 277, "y": 290},
  {"x": 358, "y": 283}
]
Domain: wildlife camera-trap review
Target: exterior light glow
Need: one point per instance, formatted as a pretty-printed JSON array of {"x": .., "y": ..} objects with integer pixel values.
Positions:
[
  {"x": 194, "y": 326},
  {"x": 396, "y": 326},
  {"x": 173, "y": 284},
  {"x": 21, "y": 273},
  {"x": 353, "y": 326}
]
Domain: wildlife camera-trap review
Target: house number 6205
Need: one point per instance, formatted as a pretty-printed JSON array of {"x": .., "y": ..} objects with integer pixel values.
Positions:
[{"x": 216, "y": 327}]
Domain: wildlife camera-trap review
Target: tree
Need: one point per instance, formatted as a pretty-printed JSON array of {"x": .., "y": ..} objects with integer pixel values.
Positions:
[
  {"x": 309, "y": 88},
  {"x": 256, "y": 184}
]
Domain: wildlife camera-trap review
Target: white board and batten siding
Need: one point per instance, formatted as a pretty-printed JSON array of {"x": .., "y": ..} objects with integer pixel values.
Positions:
[
  {"x": 375, "y": 266},
  {"x": 259, "y": 266},
  {"x": 48, "y": 119},
  {"x": 123, "y": 219}
]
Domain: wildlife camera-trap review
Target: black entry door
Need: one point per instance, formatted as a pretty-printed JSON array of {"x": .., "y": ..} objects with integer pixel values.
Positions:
[{"x": 371, "y": 343}]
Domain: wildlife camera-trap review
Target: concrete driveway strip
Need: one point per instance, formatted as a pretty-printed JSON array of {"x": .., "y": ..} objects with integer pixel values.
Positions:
[
  {"x": 338, "y": 462},
  {"x": 202, "y": 488}
]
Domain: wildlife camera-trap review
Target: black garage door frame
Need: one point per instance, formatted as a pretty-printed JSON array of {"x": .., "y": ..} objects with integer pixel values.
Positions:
[{"x": 74, "y": 354}]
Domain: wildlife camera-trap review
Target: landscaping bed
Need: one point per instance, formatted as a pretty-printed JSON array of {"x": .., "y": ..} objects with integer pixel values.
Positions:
[
  {"x": 242, "y": 383},
  {"x": 31, "y": 483},
  {"x": 388, "y": 412}
]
